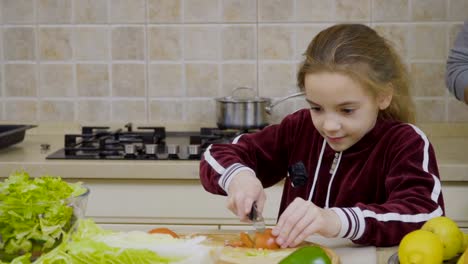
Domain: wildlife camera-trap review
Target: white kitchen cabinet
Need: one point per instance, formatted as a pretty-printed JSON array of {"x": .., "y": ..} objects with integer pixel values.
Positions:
[
  {"x": 179, "y": 202},
  {"x": 185, "y": 229},
  {"x": 456, "y": 201},
  {"x": 127, "y": 204}
]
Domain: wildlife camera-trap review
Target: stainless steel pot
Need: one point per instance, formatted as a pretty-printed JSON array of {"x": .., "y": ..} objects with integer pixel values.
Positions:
[{"x": 245, "y": 112}]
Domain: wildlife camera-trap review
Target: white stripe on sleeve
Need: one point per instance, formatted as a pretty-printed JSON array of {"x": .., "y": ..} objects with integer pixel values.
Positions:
[
  {"x": 213, "y": 163},
  {"x": 230, "y": 173}
]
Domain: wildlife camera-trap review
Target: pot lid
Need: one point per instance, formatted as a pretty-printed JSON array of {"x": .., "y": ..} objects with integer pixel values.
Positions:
[
  {"x": 236, "y": 97},
  {"x": 232, "y": 99}
]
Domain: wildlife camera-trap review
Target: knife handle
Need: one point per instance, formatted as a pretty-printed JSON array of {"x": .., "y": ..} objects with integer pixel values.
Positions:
[{"x": 253, "y": 212}]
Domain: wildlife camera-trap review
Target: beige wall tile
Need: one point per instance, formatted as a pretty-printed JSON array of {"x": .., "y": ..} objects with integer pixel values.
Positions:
[
  {"x": 238, "y": 75},
  {"x": 1, "y": 111},
  {"x": 91, "y": 43},
  {"x": 166, "y": 111},
  {"x": 20, "y": 80},
  {"x": 164, "y": 43},
  {"x": 164, "y": 11},
  {"x": 458, "y": 10},
  {"x": 453, "y": 31},
  {"x": 17, "y": 11},
  {"x": 194, "y": 50},
  {"x": 429, "y": 10},
  {"x": 21, "y": 110},
  {"x": 300, "y": 103},
  {"x": 201, "y": 10},
  {"x": 127, "y": 11},
  {"x": 314, "y": 10},
  {"x": 281, "y": 110},
  {"x": 397, "y": 35},
  {"x": 201, "y": 43},
  {"x": 275, "y": 10},
  {"x": 200, "y": 111},
  {"x": 90, "y": 11},
  {"x": 390, "y": 10},
  {"x": 128, "y": 80},
  {"x": 54, "y": 11},
  {"x": 352, "y": 10},
  {"x": 56, "y": 111},
  {"x": 457, "y": 111},
  {"x": 165, "y": 80},
  {"x": 19, "y": 43},
  {"x": 55, "y": 43},
  {"x": 93, "y": 111},
  {"x": 277, "y": 80},
  {"x": 202, "y": 79},
  {"x": 129, "y": 111},
  {"x": 56, "y": 80},
  {"x": 238, "y": 43},
  {"x": 428, "y": 42},
  {"x": 304, "y": 35},
  {"x": 428, "y": 79},
  {"x": 92, "y": 80},
  {"x": 127, "y": 43},
  {"x": 275, "y": 42},
  {"x": 430, "y": 111},
  {"x": 239, "y": 10}
]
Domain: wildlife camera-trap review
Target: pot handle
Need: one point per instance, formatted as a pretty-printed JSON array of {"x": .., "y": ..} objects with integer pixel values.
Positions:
[
  {"x": 268, "y": 108},
  {"x": 241, "y": 88}
]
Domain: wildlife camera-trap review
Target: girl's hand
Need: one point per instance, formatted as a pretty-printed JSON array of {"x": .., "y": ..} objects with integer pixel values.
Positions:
[
  {"x": 243, "y": 190},
  {"x": 303, "y": 218}
]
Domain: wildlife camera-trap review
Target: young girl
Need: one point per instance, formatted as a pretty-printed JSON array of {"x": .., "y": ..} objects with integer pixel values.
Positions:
[{"x": 372, "y": 176}]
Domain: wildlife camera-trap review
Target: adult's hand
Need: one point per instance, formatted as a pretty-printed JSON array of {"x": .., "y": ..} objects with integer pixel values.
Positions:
[
  {"x": 244, "y": 189},
  {"x": 302, "y": 219}
]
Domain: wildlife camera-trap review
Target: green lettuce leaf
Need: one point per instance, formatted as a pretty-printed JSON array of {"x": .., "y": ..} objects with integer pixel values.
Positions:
[
  {"x": 34, "y": 213},
  {"x": 90, "y": 244}
]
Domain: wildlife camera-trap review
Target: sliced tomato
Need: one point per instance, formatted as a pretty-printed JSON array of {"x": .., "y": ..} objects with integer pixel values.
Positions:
[
  {"x": 265, "y": 240},
  {"x": 163, "y": 230},
  {"x": 235, "y": 243},
  {"x": 246, "y": 240}
]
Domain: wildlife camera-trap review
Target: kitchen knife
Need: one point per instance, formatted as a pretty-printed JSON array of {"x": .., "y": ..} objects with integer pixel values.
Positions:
[{"x": 256, "y": 217}]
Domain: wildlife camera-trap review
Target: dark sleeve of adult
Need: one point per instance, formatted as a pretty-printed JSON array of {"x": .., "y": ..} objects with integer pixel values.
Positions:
[{"x": 456, "y": 75}]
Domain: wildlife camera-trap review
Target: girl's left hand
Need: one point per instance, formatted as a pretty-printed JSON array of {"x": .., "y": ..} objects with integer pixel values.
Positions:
[{"x": 303, "y": 218}]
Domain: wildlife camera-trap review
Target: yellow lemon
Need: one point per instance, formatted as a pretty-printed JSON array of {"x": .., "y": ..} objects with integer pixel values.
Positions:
[
  {"x": 420, "y": 247},
  {"x": 463, "y": 258},
  {"x": 465, "y": 243},
  {"x": 448, "y": 232}
]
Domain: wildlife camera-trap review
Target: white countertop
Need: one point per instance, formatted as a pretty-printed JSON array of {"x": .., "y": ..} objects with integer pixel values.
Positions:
[{"x": 27, "y": 155}]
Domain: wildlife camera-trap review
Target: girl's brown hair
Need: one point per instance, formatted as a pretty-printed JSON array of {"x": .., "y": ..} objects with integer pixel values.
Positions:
[{"x": 359, "y": 52}]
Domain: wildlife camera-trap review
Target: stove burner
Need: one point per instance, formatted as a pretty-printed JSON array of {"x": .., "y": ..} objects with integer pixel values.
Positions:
[{"x": 143, "y": 143}]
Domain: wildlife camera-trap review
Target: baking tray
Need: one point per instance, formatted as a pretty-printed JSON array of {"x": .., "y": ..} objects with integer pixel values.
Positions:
[{"x": 12, "y": 134}]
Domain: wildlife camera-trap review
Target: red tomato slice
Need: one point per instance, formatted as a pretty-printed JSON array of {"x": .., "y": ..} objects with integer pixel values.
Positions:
[{"x": 163, "y": 230}]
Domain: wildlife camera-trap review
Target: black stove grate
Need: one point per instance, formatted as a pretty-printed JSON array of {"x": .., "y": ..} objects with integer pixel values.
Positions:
[{"x": 144, "y": 143}]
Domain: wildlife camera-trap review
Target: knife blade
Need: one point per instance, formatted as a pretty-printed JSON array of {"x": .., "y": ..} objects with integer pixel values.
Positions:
[{"x": 257, "y": 219}]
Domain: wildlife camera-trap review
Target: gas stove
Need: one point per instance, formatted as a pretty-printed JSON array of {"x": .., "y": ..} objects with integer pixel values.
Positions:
[{"x": 142, "y": 143}]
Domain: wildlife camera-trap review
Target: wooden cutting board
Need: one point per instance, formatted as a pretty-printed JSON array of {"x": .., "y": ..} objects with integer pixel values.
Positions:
[{"x": 239, "y": 255}]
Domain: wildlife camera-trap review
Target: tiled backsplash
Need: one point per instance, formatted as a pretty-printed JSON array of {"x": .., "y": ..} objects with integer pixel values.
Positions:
[{"x": 164, "y": 61}]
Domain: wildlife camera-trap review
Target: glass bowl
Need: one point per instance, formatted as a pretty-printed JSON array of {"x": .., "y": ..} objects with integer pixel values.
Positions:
[{"x": 44, "y": 227}]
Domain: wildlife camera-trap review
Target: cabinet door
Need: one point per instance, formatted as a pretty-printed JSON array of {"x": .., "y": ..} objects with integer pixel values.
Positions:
[
  {"x": 165, "y": 202},
  {"x": 182, "y": 229},
  {"x": 456, "y": 205}
]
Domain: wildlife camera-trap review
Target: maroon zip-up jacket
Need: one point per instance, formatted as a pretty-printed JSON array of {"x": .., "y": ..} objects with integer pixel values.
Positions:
[{"x": 382, "y": 187}]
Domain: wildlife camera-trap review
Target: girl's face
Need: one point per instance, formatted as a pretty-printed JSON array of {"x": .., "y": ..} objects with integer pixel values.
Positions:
[{"x": 342, "y": 110}]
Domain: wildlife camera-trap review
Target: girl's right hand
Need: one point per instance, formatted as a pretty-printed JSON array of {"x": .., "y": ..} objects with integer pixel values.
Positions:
[{"x": 243, "y": 190}]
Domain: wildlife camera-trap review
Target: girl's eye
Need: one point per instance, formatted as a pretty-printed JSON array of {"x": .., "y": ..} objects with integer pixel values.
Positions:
[
  {"x": 347, "y": 110},
  {"x": 315, "y": 108}
]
